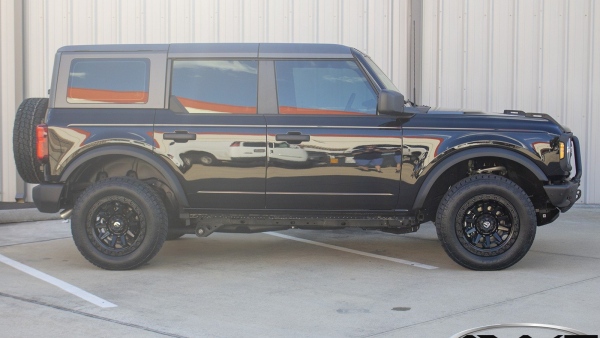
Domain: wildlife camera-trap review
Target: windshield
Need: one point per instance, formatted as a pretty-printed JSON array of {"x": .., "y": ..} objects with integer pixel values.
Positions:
[{"x": 387, "y": 83}]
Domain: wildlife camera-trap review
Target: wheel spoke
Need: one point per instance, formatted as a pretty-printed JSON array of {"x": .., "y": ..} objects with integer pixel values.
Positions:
[
  {"x": 470, "y": 232},
  {"x": 497, "y": 237},
  {"x": 477, "y": 239},
  {"x": 123, "y": 241},
  {"x": 113, "y": 242},
  {"x": 503, "y": 228},
  {"x": 470, "y": 218},
  {"x": 100, "y": 225},
  {"x": 104, "y": 235},
  {"x": 487, "y": 243}
]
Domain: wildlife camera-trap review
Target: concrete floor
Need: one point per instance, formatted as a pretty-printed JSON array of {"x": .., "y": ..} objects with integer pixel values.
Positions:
[{"x": 260, "y": 285}]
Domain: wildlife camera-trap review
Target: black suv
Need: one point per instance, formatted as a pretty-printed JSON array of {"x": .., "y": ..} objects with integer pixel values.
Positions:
[{"x": 143, "y": 143}]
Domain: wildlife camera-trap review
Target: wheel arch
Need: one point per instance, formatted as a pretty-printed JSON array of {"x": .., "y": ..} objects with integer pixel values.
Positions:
[
  {"x": 438, "y": 171},
  {"x": 77, "y": 166}
]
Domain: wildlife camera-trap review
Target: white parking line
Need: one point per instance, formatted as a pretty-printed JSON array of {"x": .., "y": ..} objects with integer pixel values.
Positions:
[
  {"x": 396, "y": 260},
  {"x": 57, "y": 282}
]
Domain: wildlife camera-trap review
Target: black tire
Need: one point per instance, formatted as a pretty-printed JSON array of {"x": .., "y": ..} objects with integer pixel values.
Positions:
[
  {"x": 119, "y": 223},
  {"x": 486, "y": 222},
  {"x": 207, "y": 159},
  {"x": 31, "y": 112}
]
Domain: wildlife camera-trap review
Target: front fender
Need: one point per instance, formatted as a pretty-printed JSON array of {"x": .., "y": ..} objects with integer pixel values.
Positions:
[{"x": 446, "y": 163}]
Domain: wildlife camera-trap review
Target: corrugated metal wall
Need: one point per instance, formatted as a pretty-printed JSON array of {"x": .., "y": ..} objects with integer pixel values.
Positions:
[
  {"x": 535, "y": 55},
  {"x": 379, "y": 28}
]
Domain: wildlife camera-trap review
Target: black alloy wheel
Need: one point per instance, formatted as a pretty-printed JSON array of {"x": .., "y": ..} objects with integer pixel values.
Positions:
[
  {"x": 119, "y": 223},
  {"x": 486, "y": 222},
  {"x": 488, "y": 225},
  {"x": 118, "y": 226}
]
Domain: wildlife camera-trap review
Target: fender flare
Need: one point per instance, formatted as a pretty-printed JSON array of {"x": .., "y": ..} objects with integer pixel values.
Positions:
[
  {"x": 448, "y": 162},
  {"x": 138, "y": 153}
]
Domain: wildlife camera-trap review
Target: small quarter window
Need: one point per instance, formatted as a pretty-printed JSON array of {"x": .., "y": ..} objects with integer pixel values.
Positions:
[
  {"x": 216, "y": 86},
  {"x": 323, "y": 87},
  {"x": 116, "y": 81}
]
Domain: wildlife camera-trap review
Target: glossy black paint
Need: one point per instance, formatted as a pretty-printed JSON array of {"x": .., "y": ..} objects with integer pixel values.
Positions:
[
  {"x": 224, "y": 166},
  {"x": 330, "y": 175},
  {"x": 297, "y": 164},
  {"x": 73, "y": 132}
]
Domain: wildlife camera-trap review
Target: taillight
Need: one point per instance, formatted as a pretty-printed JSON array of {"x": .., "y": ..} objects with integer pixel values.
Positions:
[
  {"x": 235, "y": 144},
  {"x": 41, "y": 133}
]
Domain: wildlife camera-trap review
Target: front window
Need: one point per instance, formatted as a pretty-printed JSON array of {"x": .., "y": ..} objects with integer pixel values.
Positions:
[
  {"x": 327, "y": 87},
  {"x": 387, "y": 83}
]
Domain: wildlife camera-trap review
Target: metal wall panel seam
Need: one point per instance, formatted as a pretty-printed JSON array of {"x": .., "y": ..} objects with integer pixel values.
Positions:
[
  {"x": 515, "y": 74},
  {"x": 490, "y": 55},
  {"x": 565, "y": 64},
  {"x": 465, "y": 46},
  {"x": 340, "y": 27},
  {"x": 291, "y": 20},
  {"x": 365, "y": 25},
  {"x": 540, "y": 55},
  {"x": 589, "y": 119},
  {"x": 440, "y": 21},
  {"x": 391, "y": 52},
  {"x": 315, "y": 8}
]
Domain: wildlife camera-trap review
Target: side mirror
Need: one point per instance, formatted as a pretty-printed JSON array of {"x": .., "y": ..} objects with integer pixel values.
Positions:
[{"x": 390, "y": 102}]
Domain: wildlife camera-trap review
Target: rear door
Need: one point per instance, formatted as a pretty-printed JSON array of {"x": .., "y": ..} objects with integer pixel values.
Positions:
[
  {"x": 211, "y": 133},
  {"x": 341, "y": 155}
]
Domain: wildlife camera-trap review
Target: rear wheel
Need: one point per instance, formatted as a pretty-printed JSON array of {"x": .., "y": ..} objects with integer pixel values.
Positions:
[
  {"x": 486, "y": 222},
  {"x": 119, "y": 223},
  {"x": 207, "y": 159},
  {"x": 31, "y": 112}
]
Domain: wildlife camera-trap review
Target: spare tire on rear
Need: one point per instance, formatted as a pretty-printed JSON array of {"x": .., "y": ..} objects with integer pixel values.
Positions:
[{"x": 30, "y": 113}]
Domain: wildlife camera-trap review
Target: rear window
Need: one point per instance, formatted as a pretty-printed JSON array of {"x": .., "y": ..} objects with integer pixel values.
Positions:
[
  {"x": 216, "y": 86},
  {"x": 117, "y": 81}
]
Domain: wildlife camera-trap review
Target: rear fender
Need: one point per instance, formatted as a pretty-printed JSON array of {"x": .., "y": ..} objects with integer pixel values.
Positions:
[{"x": 139, "y": 153}]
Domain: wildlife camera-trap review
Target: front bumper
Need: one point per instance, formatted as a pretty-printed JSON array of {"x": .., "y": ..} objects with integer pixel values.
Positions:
[
  {"x": 563, "y": 196},
  {"x": 47, "y": 196}
]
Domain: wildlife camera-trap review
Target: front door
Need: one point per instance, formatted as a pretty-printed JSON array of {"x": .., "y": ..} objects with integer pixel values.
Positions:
[{"x": 328, "y": 149}]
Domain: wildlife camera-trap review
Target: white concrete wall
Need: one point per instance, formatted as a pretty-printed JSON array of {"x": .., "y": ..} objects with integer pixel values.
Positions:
[{"x": 535, "y": 55}]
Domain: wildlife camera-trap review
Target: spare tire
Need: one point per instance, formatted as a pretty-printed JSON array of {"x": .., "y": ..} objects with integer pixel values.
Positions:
[{"x": 30, "y": 113}]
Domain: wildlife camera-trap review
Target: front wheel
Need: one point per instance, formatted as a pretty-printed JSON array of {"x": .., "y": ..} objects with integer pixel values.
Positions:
[
  {"x": 486, "y": 222},
  {"x": 119, "y": 223}
]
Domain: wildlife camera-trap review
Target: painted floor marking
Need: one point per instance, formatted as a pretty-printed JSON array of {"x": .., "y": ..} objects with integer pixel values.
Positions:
[
  {"x": 335, "y": 247},
  {"x": 57, "y": 282}
]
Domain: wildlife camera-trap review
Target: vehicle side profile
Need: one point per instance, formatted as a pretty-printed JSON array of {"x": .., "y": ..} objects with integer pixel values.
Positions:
[{"x": 143, "y": 143}]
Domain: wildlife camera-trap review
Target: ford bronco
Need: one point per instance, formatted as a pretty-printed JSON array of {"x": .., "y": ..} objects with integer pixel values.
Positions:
[{"x": 143, "y": 143}]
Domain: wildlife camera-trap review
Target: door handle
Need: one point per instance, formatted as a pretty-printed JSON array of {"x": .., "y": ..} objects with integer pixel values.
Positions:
[
  {"x": 179, "y": 136},
  {"x": 292, "y": 137}
]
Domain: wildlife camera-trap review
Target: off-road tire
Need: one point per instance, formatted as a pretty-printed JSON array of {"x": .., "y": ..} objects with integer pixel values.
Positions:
[
  {"x": 122, "y": 208},
  {"x": 486, "y": 222},
  {"x": 31, "y": 112},
  {"x": 207, "y": 159}
]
